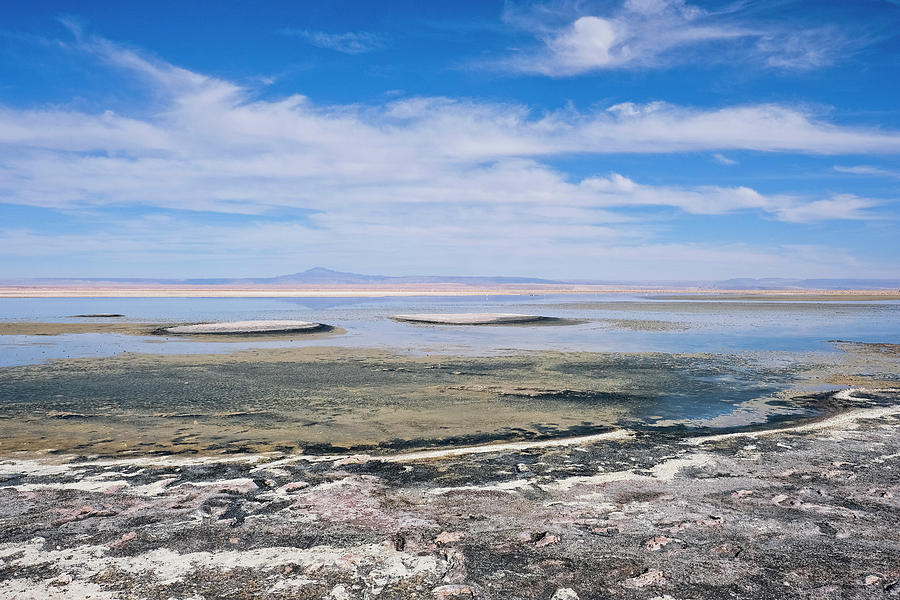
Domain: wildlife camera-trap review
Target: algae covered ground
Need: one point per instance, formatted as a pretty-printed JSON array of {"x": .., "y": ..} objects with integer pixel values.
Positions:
[{"x": 327, "y": 400}]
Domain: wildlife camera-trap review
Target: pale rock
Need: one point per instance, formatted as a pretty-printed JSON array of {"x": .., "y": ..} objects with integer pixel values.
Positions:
[
  {"x": 454, "y": 592},
  {"x": 658, "y": 542},
  {"x": 338, "y": 592},
  {"x": 126, "y": 537},
  {"x": 449, "y": 537},
  {"x": 61, "y": 580},
  {"x": 650, "y": 577},
  {"x": 356, "y": 459}
]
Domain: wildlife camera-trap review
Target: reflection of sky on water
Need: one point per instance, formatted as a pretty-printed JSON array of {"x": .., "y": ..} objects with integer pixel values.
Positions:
[{"x": 712, "y": 326}]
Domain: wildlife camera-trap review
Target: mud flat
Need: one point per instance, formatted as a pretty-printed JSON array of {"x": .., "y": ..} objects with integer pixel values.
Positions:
[
  {"x": 321, "y": 400},
  {"x": 50, "y": 328},
  {"x": 474, "y": 319},
  {"x": 332, "y": 400},
  {"x": 646, "y": 324},
  {"x": 150, "y": 329}
]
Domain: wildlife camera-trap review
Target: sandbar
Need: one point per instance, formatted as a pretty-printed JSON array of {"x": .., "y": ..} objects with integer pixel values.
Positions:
[
  {"x": 244, "y": 327},
  {"x": 471, "y": 318}
]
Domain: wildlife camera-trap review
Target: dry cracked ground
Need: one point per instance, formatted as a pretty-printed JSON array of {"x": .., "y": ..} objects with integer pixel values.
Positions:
[{"x": 811, "y": 511}]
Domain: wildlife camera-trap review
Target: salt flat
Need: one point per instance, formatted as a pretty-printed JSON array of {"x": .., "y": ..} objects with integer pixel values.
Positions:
[{"x": 256, "y": 326}]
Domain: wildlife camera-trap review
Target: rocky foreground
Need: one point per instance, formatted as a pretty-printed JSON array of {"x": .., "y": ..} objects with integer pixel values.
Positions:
[{"x": 810, "y": 511}]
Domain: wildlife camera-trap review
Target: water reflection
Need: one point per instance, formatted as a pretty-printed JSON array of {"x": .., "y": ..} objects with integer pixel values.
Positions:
[{"x": 614, "y": 324}]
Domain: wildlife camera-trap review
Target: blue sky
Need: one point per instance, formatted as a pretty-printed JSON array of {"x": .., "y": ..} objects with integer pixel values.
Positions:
[{"x": 636, "y": 139}]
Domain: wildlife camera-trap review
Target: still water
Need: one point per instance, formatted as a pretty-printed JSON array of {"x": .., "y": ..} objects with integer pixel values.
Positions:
[
  {"x": 607, "y": 323},
  {"x": 722, "y": 364}
]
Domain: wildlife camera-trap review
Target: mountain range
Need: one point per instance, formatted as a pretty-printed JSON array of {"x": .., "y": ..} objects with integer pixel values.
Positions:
[{"x": 323, "y": 276}]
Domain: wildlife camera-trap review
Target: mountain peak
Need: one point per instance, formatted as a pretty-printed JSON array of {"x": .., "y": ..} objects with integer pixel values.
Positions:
[{"x": 319, "y": 271}]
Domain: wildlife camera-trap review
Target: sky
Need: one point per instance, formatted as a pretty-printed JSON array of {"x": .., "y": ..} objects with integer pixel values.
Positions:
[{"x": 635, "y": 139}]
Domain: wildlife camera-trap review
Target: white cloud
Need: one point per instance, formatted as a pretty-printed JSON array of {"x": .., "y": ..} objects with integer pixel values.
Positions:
[
  {"x": 841, "y": 207},
  {"x": 212, "y": 146},
  {"x": 867, "y": 170},
  {"x": 651, "y": 33},
  {"x": 660, "y": 127},
  {"x": 432, "y": 180},
  {"x": 265, "y": 248},
  {"x": 590, "y": 42},
  {"x": 724, "y": 160},
  {"x": 618, "y": 191},
  {"x": 805, "y": 50},
  {"x": 351, "y": 42}
]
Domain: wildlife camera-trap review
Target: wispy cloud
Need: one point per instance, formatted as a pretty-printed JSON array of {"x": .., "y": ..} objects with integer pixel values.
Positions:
[
  {"x": 804, "y": 50},
  {"x": 618, "y": 191},
  {"x": 350, "y": 42},
  {"x": 724, "y": 160},
  {"x": 581, "y": 37},
  {"x": 468, "y": 178},
  {"x": 867, "y": 170},
  {"x": 839, "y": 207},
  {"x": 244, "y": 152}
]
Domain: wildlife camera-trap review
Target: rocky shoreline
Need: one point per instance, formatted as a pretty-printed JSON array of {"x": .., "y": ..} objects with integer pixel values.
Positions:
[
  {"x": 796, "y": 512},
  {"x": 336, "y": 474}
]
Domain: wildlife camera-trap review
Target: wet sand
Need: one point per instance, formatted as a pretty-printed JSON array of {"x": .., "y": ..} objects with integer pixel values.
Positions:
[
  {"x": 158, "y": 329},
  {"x": 646, "y": 324},
  {"x": 45, "y": 328}
]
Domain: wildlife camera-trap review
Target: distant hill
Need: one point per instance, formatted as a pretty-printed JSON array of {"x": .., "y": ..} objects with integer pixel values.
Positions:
[
  {"x": 323, "y": 276},
  {"x": 320, "y": 275},
  {"x": 774, "y": 283},
  {"x": 750, "y": 283},
  {"x": 314, "y": 276}
]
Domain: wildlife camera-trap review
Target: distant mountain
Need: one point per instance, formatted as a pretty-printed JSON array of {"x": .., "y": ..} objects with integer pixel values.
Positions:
[
  {"x": 750, "y": 283},
  {"x": 775, "y": 283},
  {"x": 314, "y": 276},
  {"x": 323, "y": 276},
  {"x": 320, "y": 275}
]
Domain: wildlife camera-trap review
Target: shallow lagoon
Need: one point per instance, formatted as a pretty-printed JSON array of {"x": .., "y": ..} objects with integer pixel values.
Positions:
[
  {"x": 611, "y": 323},
  {"x": 631, "y": 362}
]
